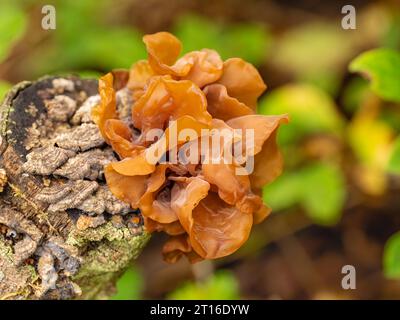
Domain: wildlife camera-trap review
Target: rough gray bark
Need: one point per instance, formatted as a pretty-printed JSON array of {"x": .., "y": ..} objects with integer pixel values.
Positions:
[{"x": 63, "y": 235}]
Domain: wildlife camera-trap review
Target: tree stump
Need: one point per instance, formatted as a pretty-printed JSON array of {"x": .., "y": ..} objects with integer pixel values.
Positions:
[{"x": 63, "y": 235}]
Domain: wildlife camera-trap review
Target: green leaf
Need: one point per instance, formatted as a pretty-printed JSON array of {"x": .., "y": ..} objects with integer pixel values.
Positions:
[
  {"x": 284, "y": 193},
  {"x": 12, "y": 27},
  {"x": 323, "y": 193},
  {"x": 394, "y": 162},
  {"x": 391, "y": 257},
  {"x": 129, "y": 285},
  {"x": 222, "y": 285},
  {"x": 382, "y": 67},
  {"x": 310, "y": 109},
  {"x": 319, "y": 188}
]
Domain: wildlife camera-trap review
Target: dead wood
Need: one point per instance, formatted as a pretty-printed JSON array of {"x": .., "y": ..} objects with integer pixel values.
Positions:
[{"x": 63, "y": 234}]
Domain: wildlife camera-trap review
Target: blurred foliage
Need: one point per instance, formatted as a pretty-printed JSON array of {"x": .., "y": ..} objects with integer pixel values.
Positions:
[
  {"x": 382, "y": 67},
  {"x": 99, "y": 46},
  {"x": 371, "y": 135},
  {"x": 4, "y": 87},
  {"x": 391, "y": 257},
  {"x": 323, "y": 192},
  {"x": 247, "y": 40},
  {"x": 370, "y": 139},
  {"x": 12, "y": 26},
  {"x": 319, "y": 188},
  {"x": 221, "y": 285},
  {"x": 103, "y": 44},
  {"x": 354, "y": 94},
  {"x": 311, "y": 111},
  {"x": 306, "y": 51},
  {"x": 394, "y": 163},
  {"x": 129, "y": 286},
  {"x": 392, "y": 38},
  {"x": 374, "y": 138}
]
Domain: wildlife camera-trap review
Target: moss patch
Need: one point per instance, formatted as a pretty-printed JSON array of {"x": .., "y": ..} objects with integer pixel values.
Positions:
[{"x": 108, "y": 252}]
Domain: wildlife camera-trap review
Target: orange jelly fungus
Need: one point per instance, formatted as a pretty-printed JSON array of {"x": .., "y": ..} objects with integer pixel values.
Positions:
[{"x": 207, "y": 209}]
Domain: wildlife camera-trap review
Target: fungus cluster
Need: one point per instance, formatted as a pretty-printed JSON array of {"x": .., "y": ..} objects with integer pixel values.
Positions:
[{"x": 206, "y": 207}]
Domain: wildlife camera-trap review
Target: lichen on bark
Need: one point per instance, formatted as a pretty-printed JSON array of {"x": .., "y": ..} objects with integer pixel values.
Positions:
[{"x": 116, "y": 247}]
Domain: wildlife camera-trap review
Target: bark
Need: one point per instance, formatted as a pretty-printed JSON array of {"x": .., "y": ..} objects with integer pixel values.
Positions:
[{"x": 62, "y": 233}]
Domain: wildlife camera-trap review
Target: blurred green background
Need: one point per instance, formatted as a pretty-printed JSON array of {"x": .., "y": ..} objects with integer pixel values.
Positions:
[{"x": 338, "y": 201}]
